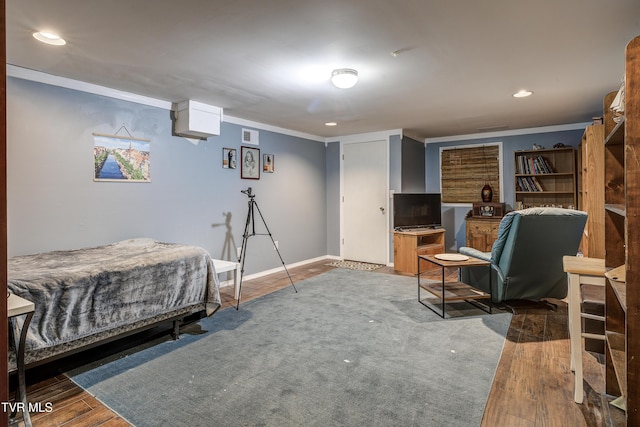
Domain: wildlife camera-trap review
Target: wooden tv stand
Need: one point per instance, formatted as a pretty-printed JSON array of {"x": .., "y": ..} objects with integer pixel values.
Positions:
[{"x": 408, "y": 244}]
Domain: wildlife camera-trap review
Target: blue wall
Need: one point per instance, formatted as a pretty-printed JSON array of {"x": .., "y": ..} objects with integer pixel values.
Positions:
[
  {"x": 53, "y": 202},
  {"x": 453, "y": 217}
]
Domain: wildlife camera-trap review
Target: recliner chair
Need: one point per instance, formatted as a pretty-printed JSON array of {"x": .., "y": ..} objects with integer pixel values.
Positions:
[{"x": 526, "y": 258}]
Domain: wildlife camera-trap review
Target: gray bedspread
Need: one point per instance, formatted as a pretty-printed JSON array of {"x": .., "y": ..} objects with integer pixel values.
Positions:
[{"x": 85, "y": 292}]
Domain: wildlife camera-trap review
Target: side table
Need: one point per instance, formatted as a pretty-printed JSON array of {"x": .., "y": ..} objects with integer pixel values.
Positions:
[
  {"x": 222, "y": 266},
  {"x": 17, "y": 306},
  {"x": 452, "y": 291}
]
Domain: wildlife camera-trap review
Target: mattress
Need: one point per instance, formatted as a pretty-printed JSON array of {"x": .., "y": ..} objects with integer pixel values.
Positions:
[{"x": 89, "y": 293}]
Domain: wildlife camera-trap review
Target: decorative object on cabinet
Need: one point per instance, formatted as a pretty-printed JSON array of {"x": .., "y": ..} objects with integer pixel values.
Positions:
[
  {"x": 487, "y": 191},
  {"x": 488, "y": 210},
  {"x": 545, "y": 177},
  {"x": 526, "y": 259},
  {"x": 622, "y": 248},
  {"x": 407, "y": 245}
]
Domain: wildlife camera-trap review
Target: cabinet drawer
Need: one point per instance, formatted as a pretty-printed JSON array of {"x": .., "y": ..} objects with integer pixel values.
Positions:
[{"x": 481, "y": 233}]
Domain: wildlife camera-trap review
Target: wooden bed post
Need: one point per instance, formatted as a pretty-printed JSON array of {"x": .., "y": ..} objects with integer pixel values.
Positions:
[{"x": 4, "y": 338}]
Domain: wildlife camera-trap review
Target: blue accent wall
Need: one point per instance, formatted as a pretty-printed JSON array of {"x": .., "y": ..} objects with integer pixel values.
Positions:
[
  {"x": 453, "y": 217},
  {"x": 53, "y": 202}
]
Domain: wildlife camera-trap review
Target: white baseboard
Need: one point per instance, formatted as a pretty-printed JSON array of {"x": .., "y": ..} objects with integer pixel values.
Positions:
[
  {"x": 226, "y": 283},
  {"x": 279, "y": 269}
]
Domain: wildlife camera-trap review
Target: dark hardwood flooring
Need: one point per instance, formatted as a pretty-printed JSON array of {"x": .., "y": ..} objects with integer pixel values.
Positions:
[{"x": 533, "y": 385}]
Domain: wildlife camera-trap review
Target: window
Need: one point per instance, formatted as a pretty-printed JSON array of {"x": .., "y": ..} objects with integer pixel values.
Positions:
[{"x": 465, "y": 170}]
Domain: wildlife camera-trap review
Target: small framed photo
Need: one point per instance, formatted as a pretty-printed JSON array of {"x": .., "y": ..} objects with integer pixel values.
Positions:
[
  {"x": 250, "y": 163},
  {"x": 229, "y": 158},
  {"x": 268, "y": 165}
]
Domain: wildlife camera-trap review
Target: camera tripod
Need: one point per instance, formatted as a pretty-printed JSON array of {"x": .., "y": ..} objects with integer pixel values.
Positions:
[{"x": 250, "y": 230}]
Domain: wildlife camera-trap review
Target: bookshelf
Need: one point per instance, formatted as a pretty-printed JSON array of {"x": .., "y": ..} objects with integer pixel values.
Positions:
[
  {"x": 545, "y": 177},
  {"x": 622, "y": 245}
]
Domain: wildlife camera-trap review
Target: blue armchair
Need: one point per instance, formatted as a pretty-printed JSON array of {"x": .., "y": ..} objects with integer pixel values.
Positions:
[{"x": 526, "y": 258}]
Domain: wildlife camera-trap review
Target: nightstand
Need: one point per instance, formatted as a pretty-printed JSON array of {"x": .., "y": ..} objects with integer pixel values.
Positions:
[{"x": 17, "y": 306}]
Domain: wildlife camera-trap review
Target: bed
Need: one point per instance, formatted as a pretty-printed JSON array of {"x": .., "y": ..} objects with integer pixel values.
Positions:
[{"x": 88, "y": 296}]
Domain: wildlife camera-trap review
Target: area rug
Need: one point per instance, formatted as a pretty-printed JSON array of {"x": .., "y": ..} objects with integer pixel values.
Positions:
[
  {"x": 350, "y": 348},
  {"x": 355, "y": 265}
]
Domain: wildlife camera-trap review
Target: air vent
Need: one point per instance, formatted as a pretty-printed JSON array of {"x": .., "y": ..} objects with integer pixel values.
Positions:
[{"x": 250, "y": 136}]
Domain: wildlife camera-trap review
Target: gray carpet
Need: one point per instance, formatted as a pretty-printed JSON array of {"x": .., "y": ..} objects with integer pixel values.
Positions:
[{"x": 351, "y": 348}]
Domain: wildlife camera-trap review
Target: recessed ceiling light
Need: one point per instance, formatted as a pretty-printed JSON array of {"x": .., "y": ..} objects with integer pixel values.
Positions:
[
  {"x": 331, "y": 124},
  {"x": 49, "y": 38},
  {"x": 523, "y": 93},
  {"x": 344, "y": 78}
]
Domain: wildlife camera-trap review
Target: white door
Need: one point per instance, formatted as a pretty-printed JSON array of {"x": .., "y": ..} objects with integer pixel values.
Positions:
[{"x": 364, "y": 208}]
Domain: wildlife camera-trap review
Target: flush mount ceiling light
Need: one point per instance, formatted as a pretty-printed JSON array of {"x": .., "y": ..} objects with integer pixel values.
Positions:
[
  {"x": 331, "y": 124},
  {"x": 523, "y": 93},
  {"x": 344, "y": 78},
  {"x": 49, "y": 38}
]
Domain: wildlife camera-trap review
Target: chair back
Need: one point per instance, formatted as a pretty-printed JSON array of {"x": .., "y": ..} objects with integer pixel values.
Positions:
[{"x": 529, "y": 249}]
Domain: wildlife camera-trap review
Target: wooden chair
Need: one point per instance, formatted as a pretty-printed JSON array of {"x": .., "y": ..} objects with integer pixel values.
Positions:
[{"x": 582, "y": 272}]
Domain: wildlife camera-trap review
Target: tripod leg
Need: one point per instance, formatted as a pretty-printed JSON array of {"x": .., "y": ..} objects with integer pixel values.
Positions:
[
  {"x": 243, "y": 251},
  {"x": 274, "y": 245}
]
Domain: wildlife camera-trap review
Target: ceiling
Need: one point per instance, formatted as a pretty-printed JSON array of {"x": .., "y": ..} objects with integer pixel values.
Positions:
[{"x": 456, "y": 66}]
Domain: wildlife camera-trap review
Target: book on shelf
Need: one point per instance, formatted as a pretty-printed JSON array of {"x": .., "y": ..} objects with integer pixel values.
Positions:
[
  {"x": 532, "y": 165},
  {"x": 529, "y": 183}
]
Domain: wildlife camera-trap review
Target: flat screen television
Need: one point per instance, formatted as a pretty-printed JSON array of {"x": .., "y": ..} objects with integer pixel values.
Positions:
[{"x": 416, "y": 210}]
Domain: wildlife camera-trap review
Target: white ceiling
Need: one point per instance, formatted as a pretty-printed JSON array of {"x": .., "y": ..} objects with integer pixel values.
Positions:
[{"x": 459, "y": 61}]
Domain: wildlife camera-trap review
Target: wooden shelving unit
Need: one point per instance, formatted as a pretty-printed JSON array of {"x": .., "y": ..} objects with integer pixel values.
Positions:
[
  {"x": 545, "y": 177},
  {"x": 622, "y": 244},
  {"x": 591, "y": 188}
]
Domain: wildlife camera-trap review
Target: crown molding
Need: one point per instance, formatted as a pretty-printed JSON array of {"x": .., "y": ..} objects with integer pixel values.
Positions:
[
  {"x": 370, "y": 136},
  {"x": 53, "y": 80},
  {"x": 514, "y": 132},
  {"x": 50, "y": 79}
]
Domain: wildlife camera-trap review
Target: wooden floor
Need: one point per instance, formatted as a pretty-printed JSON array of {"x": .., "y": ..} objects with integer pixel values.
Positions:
[{"x": 533, "y": 385}]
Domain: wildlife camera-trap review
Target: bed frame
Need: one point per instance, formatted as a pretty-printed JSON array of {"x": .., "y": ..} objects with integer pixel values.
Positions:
[{"x": 140, "y": 283}]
